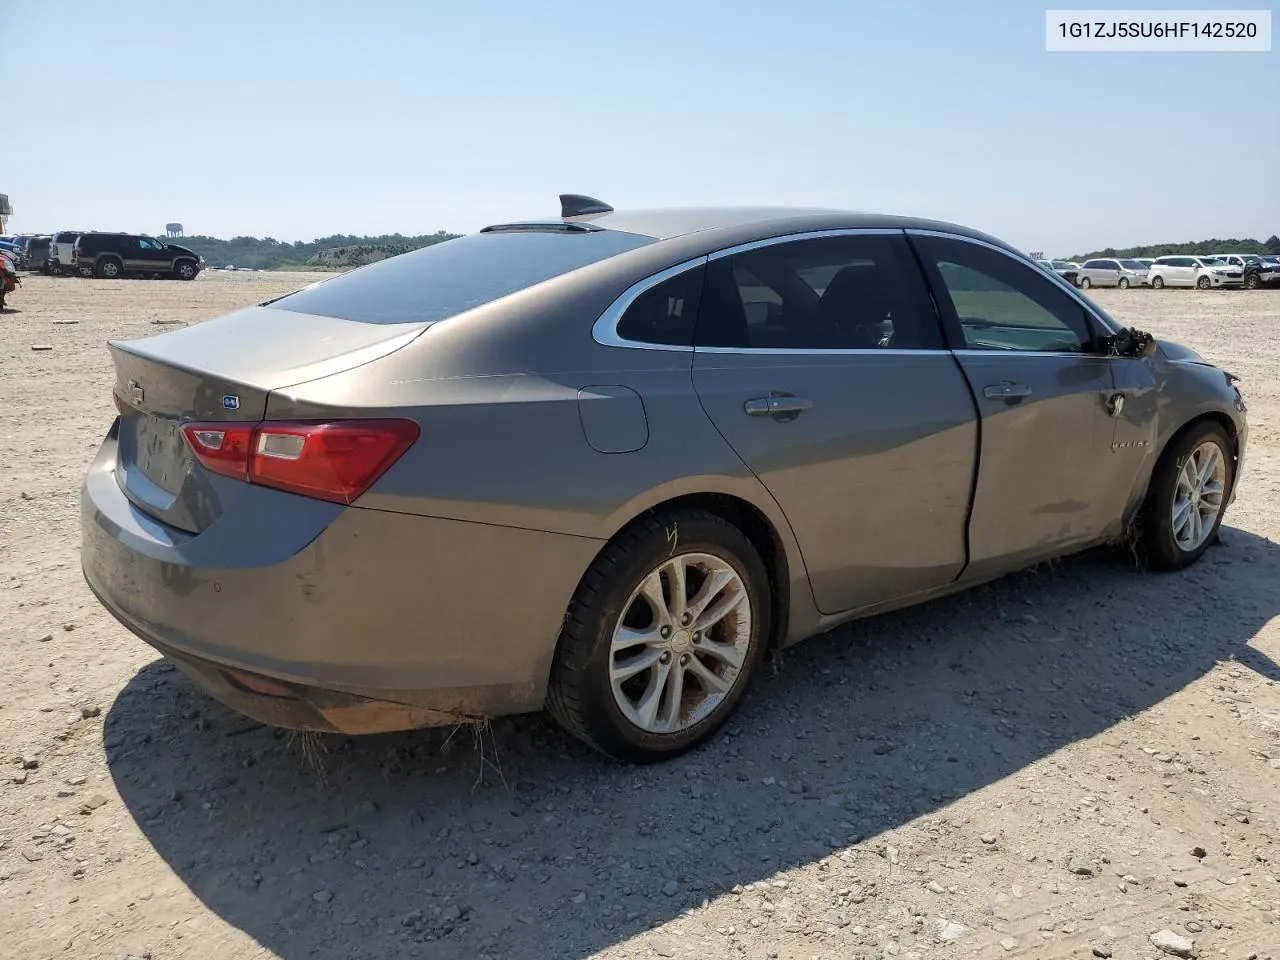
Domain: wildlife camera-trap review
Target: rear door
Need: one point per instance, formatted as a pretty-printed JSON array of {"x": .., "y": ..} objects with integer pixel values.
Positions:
[
  {"x": 129, "y": 249},
  {"x": 1046, "y": 479},
  {"x": 822, "y": 363}
]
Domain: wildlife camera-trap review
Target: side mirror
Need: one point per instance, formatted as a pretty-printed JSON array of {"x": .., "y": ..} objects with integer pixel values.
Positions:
[{"x": 1131, "y": 344}]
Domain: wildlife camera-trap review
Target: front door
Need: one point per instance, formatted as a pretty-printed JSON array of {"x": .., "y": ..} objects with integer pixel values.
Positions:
[
  {"x": 822, "y": 363},
  {"x": 1046, "y": 479},
  {"x": 153, "y": 256}
]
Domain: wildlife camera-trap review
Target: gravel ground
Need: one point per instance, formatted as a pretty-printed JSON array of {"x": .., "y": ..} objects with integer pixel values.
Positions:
[{"x": 1078, "y": 761}]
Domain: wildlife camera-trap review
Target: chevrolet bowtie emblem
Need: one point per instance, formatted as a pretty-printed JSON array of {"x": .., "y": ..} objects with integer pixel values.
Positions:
[{"x": 136, "y": 391}]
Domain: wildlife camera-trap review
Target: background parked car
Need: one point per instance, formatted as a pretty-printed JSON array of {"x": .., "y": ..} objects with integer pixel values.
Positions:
[
  {"x": 1257, "y": 271},
  {"x": 1109, "y": 272},
  {"x": 1063, "y": 268},
  {"x": 1202, "y": 272},
  {"x": 35, "y": 253},
  {"x": 61, "y": 251},
  {"x": 112, "y": 255}
]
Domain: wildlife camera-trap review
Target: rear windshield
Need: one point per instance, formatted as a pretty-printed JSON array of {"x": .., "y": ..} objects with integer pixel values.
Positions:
[{"x": 447, "y": 278}]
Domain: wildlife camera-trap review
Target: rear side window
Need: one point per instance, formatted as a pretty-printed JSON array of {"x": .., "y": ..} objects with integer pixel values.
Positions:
[
  {"x": 860, "y": 292},
  {"x": 448, "y": 278},
  {"x": 665, "y": 313}
]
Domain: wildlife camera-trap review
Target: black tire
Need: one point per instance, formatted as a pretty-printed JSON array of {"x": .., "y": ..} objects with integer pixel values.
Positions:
[
  {"x": 1157, "y": 283},
  {"x": 108, "y": 268},
  {"x": 1204, "y": 283},
  {"x": 579, "y": 695},
  {"x": 1123, "y": 283},
  {"x": 1252, "y": 281},
  {"x": 1158, "y": 547},
  {"x": 185, "y": 270},
  {"x": 1085, "y": 283}
]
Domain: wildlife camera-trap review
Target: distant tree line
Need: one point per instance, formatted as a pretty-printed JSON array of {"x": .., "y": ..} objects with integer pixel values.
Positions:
[
  {"x": 339, "y": 250},
  {"x": 1199, "y": 248}
]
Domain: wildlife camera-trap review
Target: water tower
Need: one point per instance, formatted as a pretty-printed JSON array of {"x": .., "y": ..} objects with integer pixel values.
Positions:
[{"x": 173, "y": 229}]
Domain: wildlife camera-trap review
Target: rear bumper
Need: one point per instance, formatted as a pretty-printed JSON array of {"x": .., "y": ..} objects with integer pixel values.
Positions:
[{"x": 372, "y": 620}]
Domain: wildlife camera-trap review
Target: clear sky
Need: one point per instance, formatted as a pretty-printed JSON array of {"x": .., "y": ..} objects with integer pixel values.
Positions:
[{"x": 301, "y": 119}]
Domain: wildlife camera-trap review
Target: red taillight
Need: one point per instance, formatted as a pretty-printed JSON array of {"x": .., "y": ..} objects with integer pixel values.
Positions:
[
  {"x": 335, "y": 461},
  {"x": 222, "y": 447}
]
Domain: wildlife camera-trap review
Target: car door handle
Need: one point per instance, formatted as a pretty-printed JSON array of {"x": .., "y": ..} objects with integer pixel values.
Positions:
[
  {"x": 779, "y": 405},
  {"x": 1006, "y": 390}
]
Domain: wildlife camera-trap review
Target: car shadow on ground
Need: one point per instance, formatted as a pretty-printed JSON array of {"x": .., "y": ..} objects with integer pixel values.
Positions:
[{"x": 516, "y": 842}]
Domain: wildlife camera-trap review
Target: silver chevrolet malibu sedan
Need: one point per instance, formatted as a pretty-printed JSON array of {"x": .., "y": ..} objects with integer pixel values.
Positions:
[{"x": 601, "y": 463}]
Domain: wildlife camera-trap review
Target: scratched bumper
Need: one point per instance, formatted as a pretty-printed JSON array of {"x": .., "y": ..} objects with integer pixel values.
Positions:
[{"x": 373, "y": 620}]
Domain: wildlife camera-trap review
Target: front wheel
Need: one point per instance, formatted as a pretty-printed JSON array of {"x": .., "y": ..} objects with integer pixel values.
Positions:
[
  {"x": 1203, "y": 283},
  {"x": 1252, "y": 282},
  {"x": 661, "y": 638},
  {"x": 1187, "y": 497},
  {"x": 1123, "y": 283},
  {"x": 1084, "y": 282},
  {"x": 1157, "y": 283},
  {"x": 185, "y": 270}
]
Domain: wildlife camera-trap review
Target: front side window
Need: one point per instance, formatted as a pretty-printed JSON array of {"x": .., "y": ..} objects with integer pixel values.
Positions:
[
  {"x": 1002, "y": 304},
  {"x": 856, "y": 292}
]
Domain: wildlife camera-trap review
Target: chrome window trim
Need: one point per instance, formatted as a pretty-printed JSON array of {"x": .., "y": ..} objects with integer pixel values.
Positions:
[
  {"x": 1030, "y": 264},
  {"x": 605, "y": 330},
  {"x": 820, "y": 352},
  {"x": 811, "y": 235},
  {"x": 1059, "y": 354}
]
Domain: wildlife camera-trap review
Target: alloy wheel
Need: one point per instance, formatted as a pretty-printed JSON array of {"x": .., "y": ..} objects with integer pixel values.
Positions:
[
  {"x": 1198, "y": 495},
  {"x": 681, "y": 643}
]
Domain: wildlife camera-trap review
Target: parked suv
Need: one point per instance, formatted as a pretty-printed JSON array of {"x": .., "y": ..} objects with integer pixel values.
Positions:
[
  {"x": 111, "y": 255},
  {"x": 1258, "y": 272},
  {"x": 1202, "y": 272},
  {"x": 62, "y": 251},
  {"x": 1108, "y": 272},
  {"x": 35, "y": 254}
]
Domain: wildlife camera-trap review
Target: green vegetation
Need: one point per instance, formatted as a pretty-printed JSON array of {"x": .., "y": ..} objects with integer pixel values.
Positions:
[
  {"x": 1198, "y": 248},
  {"x": 337, "y": 252}
]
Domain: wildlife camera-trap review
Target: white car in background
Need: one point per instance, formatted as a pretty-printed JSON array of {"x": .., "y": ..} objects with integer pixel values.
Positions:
[
  {"x": 1202, "y": 272},
  {"x": 1256, "y": 269},
  {"x": 1112, "y": 272}
]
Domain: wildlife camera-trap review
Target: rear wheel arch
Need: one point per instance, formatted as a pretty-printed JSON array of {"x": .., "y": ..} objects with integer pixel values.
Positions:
[
  {"x": 100, "y": 266},
  {"x": 754, "y": 524}
]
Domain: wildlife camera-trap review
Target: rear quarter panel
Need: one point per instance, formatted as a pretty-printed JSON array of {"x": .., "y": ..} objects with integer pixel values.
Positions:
[{"x": 496, "y": 393}]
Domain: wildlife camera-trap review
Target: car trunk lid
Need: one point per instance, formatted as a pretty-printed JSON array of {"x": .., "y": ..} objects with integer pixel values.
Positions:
[{"x": 220, "y": 371}]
